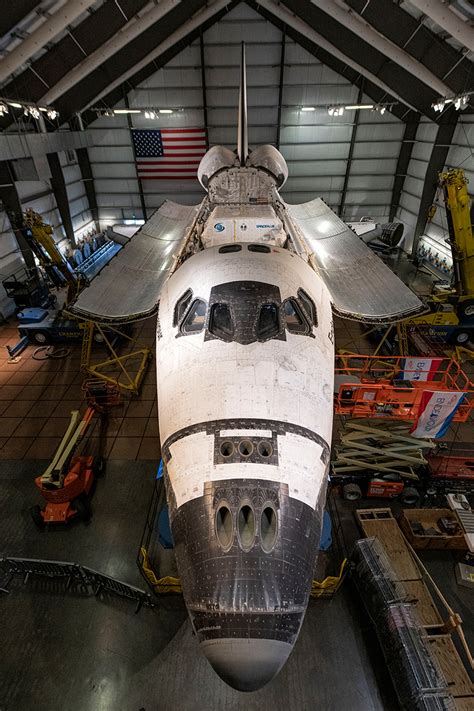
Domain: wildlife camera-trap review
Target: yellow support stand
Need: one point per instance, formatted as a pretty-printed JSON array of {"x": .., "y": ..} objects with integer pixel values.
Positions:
[
  {"x": 328, "y": 586},
  {"x": 125, "y": 379},
  {"x": 160, "y": 585}
]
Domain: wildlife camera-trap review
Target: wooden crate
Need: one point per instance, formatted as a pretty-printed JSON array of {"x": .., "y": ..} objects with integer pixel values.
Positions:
[
  {"x": 429, "y": 519},
  {"x": 419, "y": 596},
  {"x": 379, "y": 523},
  {"x": 459, "y": 684}
]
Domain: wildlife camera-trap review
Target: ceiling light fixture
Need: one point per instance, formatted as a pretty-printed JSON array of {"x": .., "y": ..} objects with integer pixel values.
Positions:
[
  {"x": 31, "y": 111},
  {"x": 335, "y": 110},
  {"x": 3, "y": 108},
  {"x": 127, "y": 111},
  {"x": 15, "y": 105},
  {"x": 150, "y": 114},
  {"x": 356, "y": 107},
  {"x": 166, "y": 111},
  {"x": 460, "y": 101},
  {"x": 308, "y": 108}
]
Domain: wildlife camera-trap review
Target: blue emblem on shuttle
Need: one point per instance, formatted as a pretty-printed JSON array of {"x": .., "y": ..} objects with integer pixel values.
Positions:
[{"x": 219, "y": 227}]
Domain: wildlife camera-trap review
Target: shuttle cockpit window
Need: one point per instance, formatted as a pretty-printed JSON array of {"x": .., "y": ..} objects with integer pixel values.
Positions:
[
  {"x": 294, "y": 317},
  {"x": 268, "y": 322},
  {"x": 220, "y": 322},
  {"x": 195, "y": 318},
  {"x": 181, "y": 306},
  {"x": 309, "y": 306}
]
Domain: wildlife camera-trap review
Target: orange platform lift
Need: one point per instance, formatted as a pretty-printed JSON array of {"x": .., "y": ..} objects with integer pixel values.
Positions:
[
  {"x": 67, "y": 482},
  {"x": 383, "y": 387}
]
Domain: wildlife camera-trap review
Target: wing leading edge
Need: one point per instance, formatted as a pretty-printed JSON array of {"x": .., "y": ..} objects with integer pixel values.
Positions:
[
  {"x": 128, "y": 288},
  {"x": 362, "y": 287}
]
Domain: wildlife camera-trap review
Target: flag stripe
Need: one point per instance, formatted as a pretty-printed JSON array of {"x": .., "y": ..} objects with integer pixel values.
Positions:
[
  {"x": 182, "y": 130},
  {"x": 182, "y": 139},
  {"x": 167, "y": 170},
  {"x": 144, "y": 164}
]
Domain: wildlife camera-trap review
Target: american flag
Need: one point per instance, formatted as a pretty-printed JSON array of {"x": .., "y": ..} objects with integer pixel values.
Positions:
[{"x": 169, "y": 153}]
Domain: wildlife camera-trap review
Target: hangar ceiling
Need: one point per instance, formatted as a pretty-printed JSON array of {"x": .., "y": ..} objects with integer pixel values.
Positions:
[{"x": 81, "y": 52}]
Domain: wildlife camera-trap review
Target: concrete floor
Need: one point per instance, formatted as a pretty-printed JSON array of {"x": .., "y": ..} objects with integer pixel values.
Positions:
[
  {"x": 61, "y": 650},
  {"x": 64, "y": 651}
]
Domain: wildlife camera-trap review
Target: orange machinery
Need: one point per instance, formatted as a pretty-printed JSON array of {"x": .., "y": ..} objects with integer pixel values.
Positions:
[
  {"x": 67, "y": 482},
  {"x": 392, "y": 387}
]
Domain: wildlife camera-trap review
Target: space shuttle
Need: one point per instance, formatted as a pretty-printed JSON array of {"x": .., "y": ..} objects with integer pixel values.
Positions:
[{"x": 244, "y": 287}]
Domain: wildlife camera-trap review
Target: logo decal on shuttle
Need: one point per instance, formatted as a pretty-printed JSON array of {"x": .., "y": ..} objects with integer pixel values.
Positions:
[
  {"x": 219, "y": 227},
  {"x": 265, "y": 227}
]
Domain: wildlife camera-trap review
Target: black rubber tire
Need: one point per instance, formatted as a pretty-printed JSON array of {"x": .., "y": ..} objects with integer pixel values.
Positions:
[
  {"x": 42, "y": 338},
  {"x": 351, "y": 492},
  {"x": 98, "y": 466},
  {"x": 409, "y": 496},
  {"x": 466, "y": 310},
  {"x": 461, "y": 337},
  {"x": 82, "y": 506},
  {"x": 38, "y": 519}
]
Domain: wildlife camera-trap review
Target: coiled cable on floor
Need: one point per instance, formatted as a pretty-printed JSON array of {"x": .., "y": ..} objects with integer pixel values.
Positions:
[{"x": 46, "y": 352}]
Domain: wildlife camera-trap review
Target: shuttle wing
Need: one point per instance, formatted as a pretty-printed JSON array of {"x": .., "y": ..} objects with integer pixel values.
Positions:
[
  {"x": 362, "y": 287},
  {"x": 128, "y": 288}
]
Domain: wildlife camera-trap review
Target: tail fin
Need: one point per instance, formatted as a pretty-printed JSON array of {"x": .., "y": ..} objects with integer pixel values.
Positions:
[{"x": 242, "y": 137}]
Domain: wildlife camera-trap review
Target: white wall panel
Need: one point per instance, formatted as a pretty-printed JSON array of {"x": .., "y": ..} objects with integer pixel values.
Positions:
[
  {"x": 368, "y": 182},
  {"x": 417, "y": 169},
  {"x": 374, "y": 166},
  {"x": 376, "y": 149},
  {"x": 253, "y": 30},
  {"x": 257, "y": 98},
  {"x": 223, "y": 76}
]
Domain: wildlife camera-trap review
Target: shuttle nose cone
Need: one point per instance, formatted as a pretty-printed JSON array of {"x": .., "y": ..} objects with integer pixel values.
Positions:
[{"x": 246, "y": 664}]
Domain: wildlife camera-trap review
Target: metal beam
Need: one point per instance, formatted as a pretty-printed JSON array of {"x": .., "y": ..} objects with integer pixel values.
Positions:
[
  {"x": 415, "y": 37},
  {"x": 114, "y": 96},
  {"x": 357, "y": 24},
  {"x": 124, "y": 65},
  {"x": 88, "y": 180},
  {"x": 351, "y": 75},
  {"x": 404, "y": 157},
  {"x": 60, "y": 193},
  {"x": 439, "y": 153},
  {"x": 134, "y": 28},
  {"x": 14, "y": 12},
  {"x": 45, "y": 33},
  {"x": 203, "y": 86},
  {"x": 139, "y": 182},
  {"x": 350, "y": 153},
  {"x": 12, "y": 205},
  {"x": 449, "y": 21},
  {"x": 315, "y": 33},
  {"x": 280, "y": 86},
  {"x": 372, "y": 63}
]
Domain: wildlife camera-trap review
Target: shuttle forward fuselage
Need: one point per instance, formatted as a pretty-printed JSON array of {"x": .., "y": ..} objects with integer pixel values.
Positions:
[{"x": 245, "y": 360}]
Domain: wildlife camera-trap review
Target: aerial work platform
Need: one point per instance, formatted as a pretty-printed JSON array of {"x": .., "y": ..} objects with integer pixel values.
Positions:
[{"x": 395, "y": 386}]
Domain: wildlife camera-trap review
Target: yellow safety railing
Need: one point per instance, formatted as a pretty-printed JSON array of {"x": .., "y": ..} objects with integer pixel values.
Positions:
[
  {"x": 169, "y": 584},
  {"x": 329, "y": 585},
  {"x": 160, "y": 585}
]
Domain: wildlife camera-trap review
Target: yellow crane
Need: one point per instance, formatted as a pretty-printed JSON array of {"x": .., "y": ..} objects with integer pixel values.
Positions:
[
  {"x": 452, "y": 310},
  {"x": 40, "y": 238}
]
